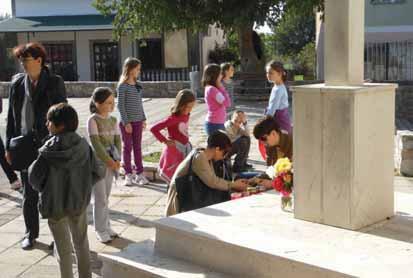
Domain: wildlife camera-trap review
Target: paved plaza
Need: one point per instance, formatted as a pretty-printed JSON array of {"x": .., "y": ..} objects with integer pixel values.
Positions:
[{"x": 132, "y": 208}]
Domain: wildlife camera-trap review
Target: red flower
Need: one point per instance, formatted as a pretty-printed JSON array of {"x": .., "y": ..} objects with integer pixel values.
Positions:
[{"x": 278, "y": 183}]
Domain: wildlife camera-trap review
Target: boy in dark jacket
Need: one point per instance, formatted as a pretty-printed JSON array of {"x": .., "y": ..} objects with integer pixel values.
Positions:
[{"x": 64, "y": 173}]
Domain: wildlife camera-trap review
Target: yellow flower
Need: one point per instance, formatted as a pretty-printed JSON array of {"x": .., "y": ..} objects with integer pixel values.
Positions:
[{"x": 283, "y": 165}]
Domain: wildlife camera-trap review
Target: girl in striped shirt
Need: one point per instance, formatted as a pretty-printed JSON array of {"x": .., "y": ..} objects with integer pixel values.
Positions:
[{"x": 133, "y": 120}]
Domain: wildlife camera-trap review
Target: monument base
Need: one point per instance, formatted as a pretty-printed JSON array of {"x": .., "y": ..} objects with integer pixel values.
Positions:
[
  {"x": 252, "y": 237},
  {"x": 343, "y": 154}
]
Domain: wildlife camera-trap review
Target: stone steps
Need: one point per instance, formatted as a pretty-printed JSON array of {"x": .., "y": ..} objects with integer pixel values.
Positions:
[
  {"x": 252, "y": 237},
  {"x": 140, "y": 260},
  {"x": 248, "y": 252}
]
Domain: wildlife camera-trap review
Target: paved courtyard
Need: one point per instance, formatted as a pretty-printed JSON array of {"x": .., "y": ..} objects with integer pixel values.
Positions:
[{"x": 132, "y": 208}]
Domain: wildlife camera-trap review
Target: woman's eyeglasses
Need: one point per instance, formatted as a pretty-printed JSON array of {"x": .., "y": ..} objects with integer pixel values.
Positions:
[{"x": 25, "y": 60}]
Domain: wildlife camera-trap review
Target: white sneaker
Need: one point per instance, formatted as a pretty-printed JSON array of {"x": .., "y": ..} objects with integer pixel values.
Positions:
[
  {"x": 103, "y": 237},
  {"x": 112, "y": 233},
  {"x": 141, "y": 179},
  {"x": 16, "y": 185},
  {"x": 128, "y": 180}
]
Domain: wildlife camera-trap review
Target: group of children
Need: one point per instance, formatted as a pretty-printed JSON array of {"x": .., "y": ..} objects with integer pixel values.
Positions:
[{"x": 112, "y": 141}]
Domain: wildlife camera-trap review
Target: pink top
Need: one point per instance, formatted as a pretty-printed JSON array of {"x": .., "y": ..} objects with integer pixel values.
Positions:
[
  {"x": 177, "y": 126},
  {"x": 217, "y": 100}
]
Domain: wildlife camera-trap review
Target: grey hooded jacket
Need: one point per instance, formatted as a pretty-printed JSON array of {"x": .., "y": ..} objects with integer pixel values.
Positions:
[{"x": 64, "y": 173}]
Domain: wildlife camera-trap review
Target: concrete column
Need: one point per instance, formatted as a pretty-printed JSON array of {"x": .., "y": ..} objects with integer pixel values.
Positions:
[
  {"x": 344, "y": 42},
  {"x": 343, "y": 132}
]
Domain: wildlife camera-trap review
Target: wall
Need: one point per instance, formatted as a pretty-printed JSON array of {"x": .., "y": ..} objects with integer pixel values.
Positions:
[
  {"x": 85, "y": 89},
  {"x": 176, "y": 49},
  {"x": 390, "y": 22},
  {"x": 83, "y": 40},
  {"x": 53, "y": 7},
  {"x": 389, "y": 14},
  {"x": 214, "y": 35}
]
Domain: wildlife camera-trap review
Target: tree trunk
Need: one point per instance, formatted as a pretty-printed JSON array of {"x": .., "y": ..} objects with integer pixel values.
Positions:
[{"x": 249, "y": 60}]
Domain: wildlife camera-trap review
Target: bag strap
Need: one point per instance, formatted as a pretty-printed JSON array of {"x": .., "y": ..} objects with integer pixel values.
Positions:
[{"x": 190, "y": 171}]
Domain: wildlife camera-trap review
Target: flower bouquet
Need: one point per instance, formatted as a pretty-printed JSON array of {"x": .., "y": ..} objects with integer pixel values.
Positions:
[{"x": 283, "y": 182}]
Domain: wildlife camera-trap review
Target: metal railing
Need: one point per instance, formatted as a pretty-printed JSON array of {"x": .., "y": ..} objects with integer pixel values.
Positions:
[
  {"x": 176, "y": 74},
  {"x": 388, "y": 61}
]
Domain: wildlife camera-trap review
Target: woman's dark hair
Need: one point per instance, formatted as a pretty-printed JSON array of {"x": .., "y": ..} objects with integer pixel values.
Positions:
[
  {"x": 278, "y": 67},
  {"x": 183, "y": 97},
  {"x": 220, "y": 140},
  {"x": 63, "y": 114},
  {"x": 100, "y": 95},
  {"x": 210, "y": 75},
  {"x": 264, "y": 126},
  {"x": 225, "y": 67},
  {"x": 32, "y": 49}
]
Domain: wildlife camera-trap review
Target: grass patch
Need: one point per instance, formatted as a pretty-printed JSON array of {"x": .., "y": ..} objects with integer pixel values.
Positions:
[{"x": 152, "y": 157}]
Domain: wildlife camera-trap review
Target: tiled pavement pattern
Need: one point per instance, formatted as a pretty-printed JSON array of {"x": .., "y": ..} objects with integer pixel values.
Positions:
[{"x": 132, "y": 208}]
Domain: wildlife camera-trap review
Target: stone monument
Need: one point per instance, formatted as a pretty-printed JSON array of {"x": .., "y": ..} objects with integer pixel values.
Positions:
[{"x": 343, "y": 132}]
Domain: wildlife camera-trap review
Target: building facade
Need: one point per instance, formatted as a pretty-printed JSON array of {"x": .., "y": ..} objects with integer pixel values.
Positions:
[
  {"x": 80, "y": 45},
  {"x": 388, "y": 38}
]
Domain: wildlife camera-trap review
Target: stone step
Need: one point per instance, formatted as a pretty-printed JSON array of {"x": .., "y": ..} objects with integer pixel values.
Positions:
[
  {"x": 140, "y": 260},
  {"x": 226, "y": 246},
  {"x": 252, "y": 237}
]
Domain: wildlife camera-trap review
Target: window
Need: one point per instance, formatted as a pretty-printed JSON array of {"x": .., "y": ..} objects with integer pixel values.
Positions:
[
  {"x": 60, "y": 59},
  {"x": 150, "y": 53},
  {"x": 106, "y": 61},
  {"x": 380, "y": 2}
]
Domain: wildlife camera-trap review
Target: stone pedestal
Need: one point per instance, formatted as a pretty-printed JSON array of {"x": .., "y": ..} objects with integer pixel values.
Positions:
[{"x": 343, "y": 154}]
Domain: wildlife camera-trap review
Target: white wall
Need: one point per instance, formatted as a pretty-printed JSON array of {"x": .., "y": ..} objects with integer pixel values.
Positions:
[
  {"x": 83, "y": 46},
  {"x": 53, "y": 7},
  {"x": 215, "y": 35},
  {"x": 176, "y": 49}
]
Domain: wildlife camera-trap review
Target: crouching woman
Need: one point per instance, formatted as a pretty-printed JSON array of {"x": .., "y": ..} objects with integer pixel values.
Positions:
[{"x": 199, "y": 163}]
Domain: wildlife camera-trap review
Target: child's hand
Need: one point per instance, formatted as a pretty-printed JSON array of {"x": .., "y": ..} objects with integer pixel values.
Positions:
[
  {"x": 240, "y": 185},
  {"x": 144, "y": 125},
  {"x": 113, "y": 165},
  {"x": 266, "y": 183},
  {"x": 244, "y": 118},
  {"x": 170, "y": 143},
  {"x": 8, "y": 157},
  {"x": 128, "y": 128}
]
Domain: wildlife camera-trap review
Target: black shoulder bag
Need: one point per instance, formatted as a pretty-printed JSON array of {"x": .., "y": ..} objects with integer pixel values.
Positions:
[
  {"x": 23, "y": 151},
  {"x": 194, "y": 194}
]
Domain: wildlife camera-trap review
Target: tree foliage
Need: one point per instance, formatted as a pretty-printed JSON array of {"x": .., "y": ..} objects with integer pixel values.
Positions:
[
  {"x": 294, "y": 32},
  {"x": 8, "y": 64},
  {"x": 141, "y": 17}
]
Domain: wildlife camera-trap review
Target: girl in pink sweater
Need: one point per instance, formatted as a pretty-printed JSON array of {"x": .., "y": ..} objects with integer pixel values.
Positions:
[
  {"x": 177, "y": 143},
  {"x": 216, "y": 98}
]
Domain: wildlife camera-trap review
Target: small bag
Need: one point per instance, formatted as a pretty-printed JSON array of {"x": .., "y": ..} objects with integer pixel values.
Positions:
[
  {"x": 194, "y": 194},
  {"x": 114, "y": 153},
  {"x": 23, "y": 151}
]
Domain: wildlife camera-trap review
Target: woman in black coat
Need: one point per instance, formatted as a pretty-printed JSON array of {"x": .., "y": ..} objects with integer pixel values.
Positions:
[{"x": 31, "y": 95}]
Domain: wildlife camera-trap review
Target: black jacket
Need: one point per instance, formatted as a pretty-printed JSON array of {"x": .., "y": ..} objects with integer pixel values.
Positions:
[{"x": 50, "y": 90}]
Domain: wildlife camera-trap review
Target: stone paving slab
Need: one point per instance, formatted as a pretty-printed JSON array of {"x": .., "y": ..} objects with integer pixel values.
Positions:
[{"x": 132, "y": 208}]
